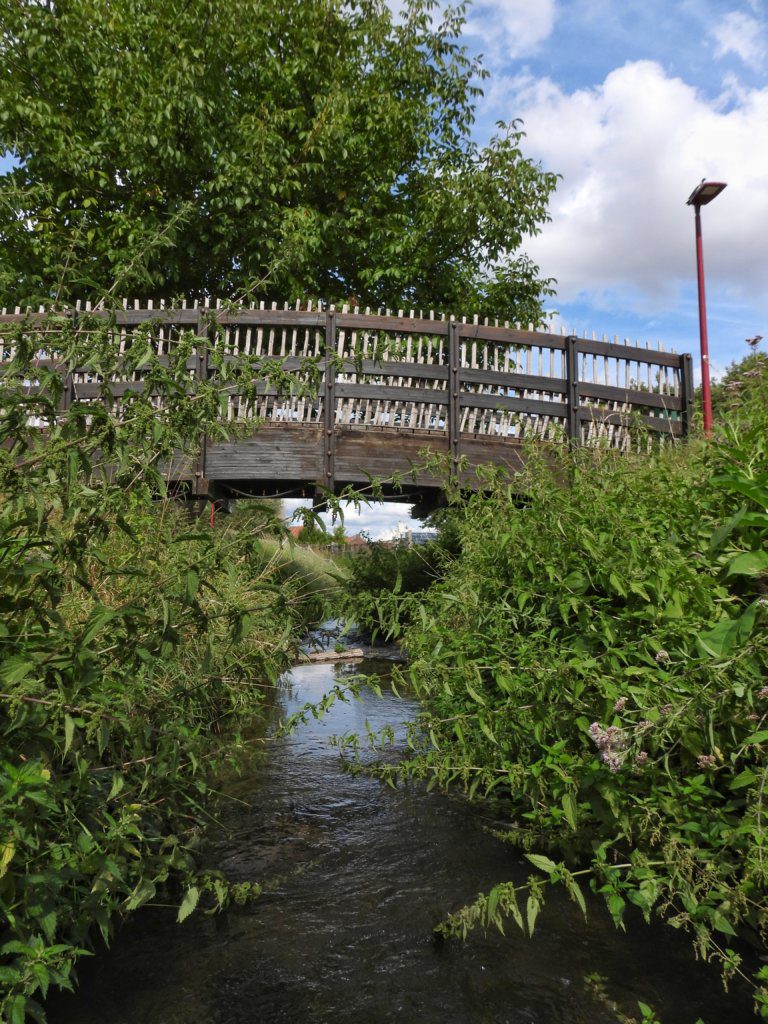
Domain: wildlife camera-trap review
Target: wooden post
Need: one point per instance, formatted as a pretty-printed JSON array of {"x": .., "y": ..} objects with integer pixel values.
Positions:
[
  {"x": 200, "y": 484},
  {"x": 572, "y": 394},
  {"x": 329, "y": 402},
  {"x": 687, "y": 393},
  {"x": 454, "y": 396}
]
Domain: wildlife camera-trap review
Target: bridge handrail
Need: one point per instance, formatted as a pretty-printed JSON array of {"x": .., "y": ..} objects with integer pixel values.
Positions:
[{"x": 442, "y": 374}]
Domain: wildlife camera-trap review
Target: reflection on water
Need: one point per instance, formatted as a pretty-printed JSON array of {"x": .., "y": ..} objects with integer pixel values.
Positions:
[{"x": 360, "y": 875}]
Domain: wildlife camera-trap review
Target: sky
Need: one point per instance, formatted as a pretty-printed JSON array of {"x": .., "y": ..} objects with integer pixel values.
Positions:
[{"x": 633, "y": 102}]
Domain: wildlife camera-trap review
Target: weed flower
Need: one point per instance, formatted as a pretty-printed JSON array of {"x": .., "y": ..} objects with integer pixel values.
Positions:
[
  {"x": 662, "y": 658},
  {"x": 763, "y": 693},
  {"x": 641, "y": 757},
  {"x": 645, "y": 724},
  {"x": 666, "y": 709},
  {"x": 706, "y": 761},
  {"x": 611, "y": 742},
  {"x": 620, "y": 704}
]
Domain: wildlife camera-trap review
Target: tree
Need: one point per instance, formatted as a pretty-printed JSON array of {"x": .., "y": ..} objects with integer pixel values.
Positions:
[{"x": 258, "y": 148}]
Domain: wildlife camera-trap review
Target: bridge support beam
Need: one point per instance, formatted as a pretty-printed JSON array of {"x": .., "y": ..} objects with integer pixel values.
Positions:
[
  {"x": 573, "y": 423},
  {"x": 329, "y": 403},
  {"x": 454, "y": 397}
]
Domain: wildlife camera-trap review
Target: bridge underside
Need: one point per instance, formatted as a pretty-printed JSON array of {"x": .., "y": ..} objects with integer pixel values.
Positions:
[{"x": 289, "y": 460}]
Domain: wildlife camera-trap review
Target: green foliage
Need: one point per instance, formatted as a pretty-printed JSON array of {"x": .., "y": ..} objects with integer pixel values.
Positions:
[
  {"x": 597, "y": 657},
  {"x": 238, "y": 147},
  {"x": 135, "y": 643},
  {"x": 381, "y": 576}
]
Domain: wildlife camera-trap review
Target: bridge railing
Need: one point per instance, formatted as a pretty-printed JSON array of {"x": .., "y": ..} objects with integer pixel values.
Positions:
[{"x": 383, "y": 371}]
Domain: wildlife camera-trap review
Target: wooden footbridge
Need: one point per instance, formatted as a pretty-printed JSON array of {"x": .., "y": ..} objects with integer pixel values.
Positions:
[{"x": 391, "y": 386}]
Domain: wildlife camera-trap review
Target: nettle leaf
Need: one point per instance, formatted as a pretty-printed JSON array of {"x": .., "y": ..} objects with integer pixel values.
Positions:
[
  {"x": 69, "y": 732},
  {"x": 542, "y": 863},
  {"x": 570, "y": 808},
  {"x": 188, "y": 904},
  {"x": 749, "y": 563},
  {"x": 723, "y": 532},
  {"x": 15, "y": 668}
]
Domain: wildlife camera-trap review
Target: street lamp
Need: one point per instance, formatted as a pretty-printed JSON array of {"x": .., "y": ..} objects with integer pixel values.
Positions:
[{"x": 704, "y": 193}]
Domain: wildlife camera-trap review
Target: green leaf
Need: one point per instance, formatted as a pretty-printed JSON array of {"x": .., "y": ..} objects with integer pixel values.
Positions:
[
  {"x": 192, "y": 584},
  {"x": 492, "y": 904},
  {"x": 722, "y": 924},
  {"x": 723, "y": 532},
  {"x": 69, "y": 732},
  {"x": 719, "y": 641},
  {"x": 188, "y": 904},
  {"x": 15, "y": 669},
  {"x": 532, "y": 912},
  {"x": 145, "y": 889},
  {"x": 749, "y": 563},
  {"x": 118, "y": 782},
  {"x": 542, "y": 863},
  {"x": 575, "y": 890},
  {"x": 7, "y": 851},
  {"x": 474, "y": 694},
  {"x": 745, "y": 778},
  {"x": 570, "y": 808}
]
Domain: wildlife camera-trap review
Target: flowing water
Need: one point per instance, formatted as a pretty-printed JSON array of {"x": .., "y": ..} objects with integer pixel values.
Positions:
[{"x": 360, "y": 874}]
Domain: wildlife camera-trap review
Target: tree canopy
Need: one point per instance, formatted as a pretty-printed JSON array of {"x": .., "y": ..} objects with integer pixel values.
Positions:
[{"x": 260, "y": 149}]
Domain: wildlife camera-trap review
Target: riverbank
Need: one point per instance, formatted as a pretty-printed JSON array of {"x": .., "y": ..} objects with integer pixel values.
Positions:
[{"x": 138, "y": 660}]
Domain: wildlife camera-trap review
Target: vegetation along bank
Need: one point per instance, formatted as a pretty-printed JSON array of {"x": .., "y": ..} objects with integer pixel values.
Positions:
[
  {"x": 136, "y": 646},
  {"x": 594, "y": 656}
]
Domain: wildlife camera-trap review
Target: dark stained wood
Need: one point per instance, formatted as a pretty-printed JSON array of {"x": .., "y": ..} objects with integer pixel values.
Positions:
[
  {"x": 646, "y": 399},
  {"x": 269, "y": 317},
  {"x": 370, "y": 429},
  {"x": 660, "y": 424},
  {"x": 519, "y": 381},
  {"x": 454, "y": 396},
  {"x": 687, "y": 391},
  {"x": 627, "y": 353},
  {"x": 398, "y": 324},
  {"x": 511, "y": 336},
  {"x": 573, "y": 427},
  {"x": 329, "y": 405},
  {"x": 470, "y": 400},
  {"x": 392, "y": 393}
]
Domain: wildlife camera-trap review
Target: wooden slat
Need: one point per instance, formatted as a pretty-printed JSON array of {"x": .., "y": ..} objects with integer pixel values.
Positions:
[
  {"x": 508, "y": 336},
  {"x": 525, "y": 405},
  {"x": 400, "y": 324},
  {"x": 647, "y": 399},
  {"x": 626, "y": 352},
  {"x": 656, "y": 423},
  {"x": 389, "y": 393}
]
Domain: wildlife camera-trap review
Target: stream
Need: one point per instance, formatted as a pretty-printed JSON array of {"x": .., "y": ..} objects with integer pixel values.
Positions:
[{"x": 358, "y": 875}]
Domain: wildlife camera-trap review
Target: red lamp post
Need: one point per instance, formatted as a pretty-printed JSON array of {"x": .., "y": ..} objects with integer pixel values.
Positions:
[{"x": 704, "y": 193}]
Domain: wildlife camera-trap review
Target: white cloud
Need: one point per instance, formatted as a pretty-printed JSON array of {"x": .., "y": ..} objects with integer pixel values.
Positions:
[
  {"x": 511, "y": 28},
  {"x": 741, "y": 34},
  {"x": 630, "y": 151},
  {"x": 379, "y": 519}
]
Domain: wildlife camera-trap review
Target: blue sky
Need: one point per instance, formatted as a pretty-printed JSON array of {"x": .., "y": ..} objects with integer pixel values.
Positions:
[{"x": 633, "y": 102}]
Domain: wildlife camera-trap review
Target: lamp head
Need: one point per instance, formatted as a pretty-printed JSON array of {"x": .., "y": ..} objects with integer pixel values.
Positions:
[{"x": 705, "y": 192}]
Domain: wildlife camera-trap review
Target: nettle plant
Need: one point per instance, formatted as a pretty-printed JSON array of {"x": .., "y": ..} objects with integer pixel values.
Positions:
[
  {"x": 134, "y": 642},
  {"x": 596, "y": 657}
]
